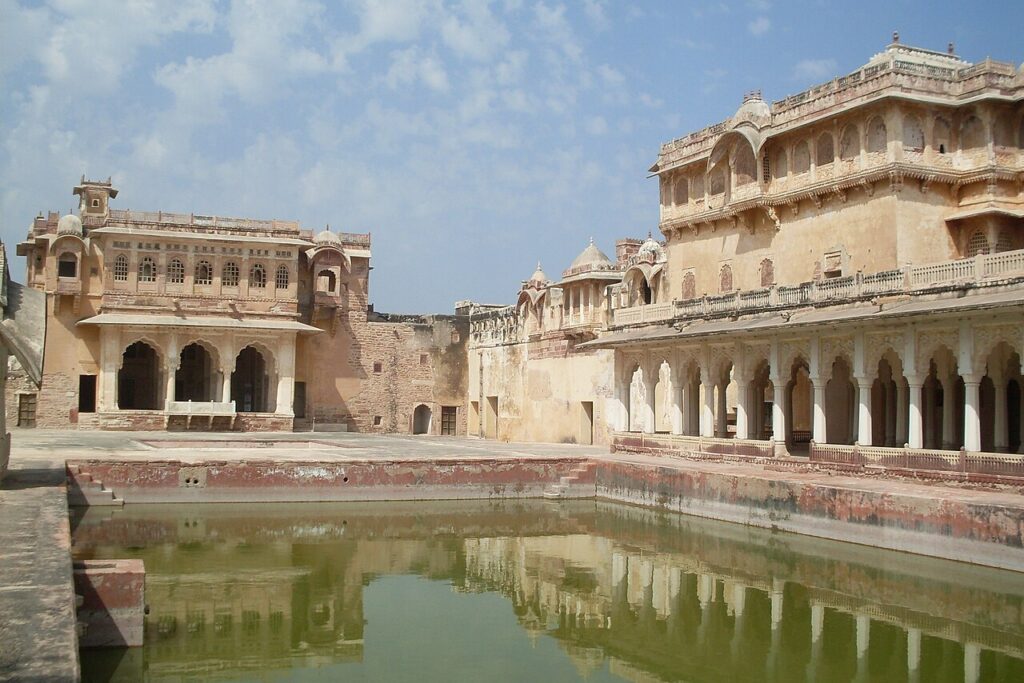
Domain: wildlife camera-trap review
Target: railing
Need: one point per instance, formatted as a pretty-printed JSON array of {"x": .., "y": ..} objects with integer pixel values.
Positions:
[
  {"x": 962, "y": 461},
  {"x": 695, "y": 446},
  {"x": 911, "y": 279},
  {"x": 206, "y": 408}
]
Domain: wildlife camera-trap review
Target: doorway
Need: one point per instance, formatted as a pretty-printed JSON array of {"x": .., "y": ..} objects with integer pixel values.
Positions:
[{"x": 586, "y": 436}]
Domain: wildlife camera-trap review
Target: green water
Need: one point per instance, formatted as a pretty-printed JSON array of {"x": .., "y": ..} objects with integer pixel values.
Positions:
[{"x": 537, "y": 591}]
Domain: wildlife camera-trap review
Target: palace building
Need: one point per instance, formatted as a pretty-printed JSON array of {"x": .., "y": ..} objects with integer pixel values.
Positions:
[
  {"x": 160, "y": 320},
  {"x": 841, "y": 268}
]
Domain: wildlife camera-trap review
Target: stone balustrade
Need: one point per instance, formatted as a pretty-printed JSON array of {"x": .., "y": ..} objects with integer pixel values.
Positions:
[
  {"x": 962, "y": 461},
  {"x": 977, "y": 271}
]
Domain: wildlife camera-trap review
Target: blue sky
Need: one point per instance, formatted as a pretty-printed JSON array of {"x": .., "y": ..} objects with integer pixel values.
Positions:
[{"x": 471, "y": 138}]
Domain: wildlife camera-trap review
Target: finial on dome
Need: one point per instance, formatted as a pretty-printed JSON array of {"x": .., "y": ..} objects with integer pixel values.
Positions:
[
  {"x": 591, "y": 239},
  {"x": 951, "y": 48},
  {"x": 895, "y": 36},
  {"x": 538, "y": 264}
]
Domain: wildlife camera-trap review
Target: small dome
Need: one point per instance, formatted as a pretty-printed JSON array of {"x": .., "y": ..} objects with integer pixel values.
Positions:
[
  {"x": 650, "y": 246},
  {"x": 69, "y": 225},
  {"x": 538, "y": 276},
  {"x": 326, "y": 238},
  {"x": 591, "y": 257},
  {"x": 754, "y": 109}
]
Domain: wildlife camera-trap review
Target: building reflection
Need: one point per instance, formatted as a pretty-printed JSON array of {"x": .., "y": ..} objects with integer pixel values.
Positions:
[{"x": 650, "y": 599}]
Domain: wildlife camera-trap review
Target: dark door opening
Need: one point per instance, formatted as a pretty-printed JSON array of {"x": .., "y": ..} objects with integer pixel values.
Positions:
[
  {"x": 249, "y": 382},
  {"x": 299, "y": 402},
  {"x": 87, "y": 393}
]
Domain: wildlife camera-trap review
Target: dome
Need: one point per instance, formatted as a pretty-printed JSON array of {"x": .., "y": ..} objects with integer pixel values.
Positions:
[
  {"x": 327, "y": 238},
  {"x": 69, "y": 225},
  {"x": 650, "y": 246},
  {"x": 538, "y": 276},
  {"x": 754, "y": 109},
  {"x": 591, "y": 258}
]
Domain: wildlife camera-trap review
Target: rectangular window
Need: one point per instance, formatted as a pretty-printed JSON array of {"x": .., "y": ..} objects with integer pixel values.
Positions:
[
  {"x": 26, "y": 410},
  {"x": 87, "y": 393},
  {"x": 377, "y": 419},
  {"x": 67, "y": 266},
  {"x": 424, "y": 359},
  {"x": 448, "y": 417},
  {"x": 377, "y": 368}
]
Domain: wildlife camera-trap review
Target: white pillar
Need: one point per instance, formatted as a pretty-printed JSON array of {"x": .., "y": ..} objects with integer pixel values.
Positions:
[
  {"x": 901, "y": 413},
  {"x": 109, "y": 360},
  {"x": 818, "y": 424},
  {"x": 972, "y": 415},
  {"x": 707, "y": 417},
  {"x": 705, "y": 590},
  {"x": 739, "y": 599},
  {"x": 225, "y": 385},
  {"x": 170, "y": 371},
  {"x": 972, "y": 662},
  {"x": 915, "y": 436},
  {"x": 650, "y": 380},
  {"x": 817, "y": 622},
  {"x": 776, "y": 602},
  {"x": 286, "y": 376},
  {"x": 948, "y": 411},
  {"x": 623, "y": 399},
  {"x": 778, "y": 415},
  {"x": 742, "y": 400},
  {"x": 675, "y": 402},
  {"x": 1001, "y": 437},
  {"x": 863, "y": 635},
  {"x": 913, "y": 649},
  {"x": 864, "y": 411},
  {"x": 686, "y": 400}
]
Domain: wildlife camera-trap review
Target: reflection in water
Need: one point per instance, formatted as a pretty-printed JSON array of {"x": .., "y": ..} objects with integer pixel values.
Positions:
[{"x": 625, "y": 594}]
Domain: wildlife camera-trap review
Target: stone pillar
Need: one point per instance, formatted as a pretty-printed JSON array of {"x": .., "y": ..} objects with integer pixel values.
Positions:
[
  {"x": 1001, "y": 437},
  {"x": 722, "y": 411},
  {"x": 623, "y": 395},
  {"x": 676, "y": 403},
  {"x": 170, "y": 373},
  {"x": 707, "y": 416},
  {"x": 817, "y": 622},
  {"x": 901, "y": 413},
  {"x": 778, "y": 586},
  {"x": 818, "y": 423},
  {"x": 286, "y": 376},
  {"x": 864, "y": 411},
  {"x": 109, "y": 362},
  {"x": 863, "y": 635},
  {"x": 650, "y": 381},
  {"x": 948, "y": 411},
  {"x": 742, "y": 401},
  {"x": 778, "y": 416},
  {"x": 915, "y": 435},
  {"x": 972, "y": 414},
  {"x": 226, "y": 384}
]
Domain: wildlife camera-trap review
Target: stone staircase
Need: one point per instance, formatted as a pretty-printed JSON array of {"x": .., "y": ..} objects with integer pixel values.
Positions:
[
  {"x": 572, "y": 485},
  {"x": 86, "y": 491}
]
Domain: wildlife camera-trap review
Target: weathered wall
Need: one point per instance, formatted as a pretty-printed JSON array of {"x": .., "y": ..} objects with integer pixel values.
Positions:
[{"x": 957, "y": 530}]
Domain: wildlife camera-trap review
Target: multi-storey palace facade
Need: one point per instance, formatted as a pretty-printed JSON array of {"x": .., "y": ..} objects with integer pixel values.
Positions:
[
  {"x": 158, "y": 320},
  {"x": 844, "y": 266}
]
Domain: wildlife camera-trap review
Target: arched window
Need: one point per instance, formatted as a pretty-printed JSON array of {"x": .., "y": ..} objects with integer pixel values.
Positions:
[
  {"x": 801, "y": 157},
  {"x": 745, "y": 165},
  {"x": 780, "y": 165},
  {"x": 941, "y": 136},
  {"x": 1002, "y": 132},
  {"x": 681, "y": 195},
  {"x": 229, "y": 277},
  {"x": 176, "y": 272},
  {"x": 977, "y": 244},
  {"x": 121, "y": 268},
  {"x": 767, "y": 273},
  {"x": 877, "y": 135},
  {"x": 717, "y": 181},
  {"x": 666, "y": 192},
  {"x": 281, "y": 277},
  {"x": 689, "y": 285},
  {"x": 725, "y": 279},
  {"x": 849, "y": 144},
  {"x": 913, "y": 134},
  {"x": 147, "y": 270},
  {"x": 1004, "y": 241},
  {"x": 825, "y": 150},
  {"x": 972, "y": 134},
  {"x": 257, "y": 276},
  {"x": 67, "y": 265},
  {"x": 697, "y": 190},
  {"x": 326, "y": 281},
  {"x": 204, "y": 273}
]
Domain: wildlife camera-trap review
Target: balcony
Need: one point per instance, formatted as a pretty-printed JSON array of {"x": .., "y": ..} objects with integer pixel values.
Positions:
[{"x": 978, "y": 271}]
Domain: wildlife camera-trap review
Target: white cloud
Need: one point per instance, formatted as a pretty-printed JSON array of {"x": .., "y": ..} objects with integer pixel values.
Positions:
[
  {"x": 814, "y": 69},
  {"x": 759, "y": 26},
  {"x": 553, "y": 25},
  {"x": 410, "y": 66},
  {"x": 477, "y": 33},
  {"x": 595, "y": 12},
  {"x": 596, "y": 125},
  {"x": 610, "y": 75}
]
